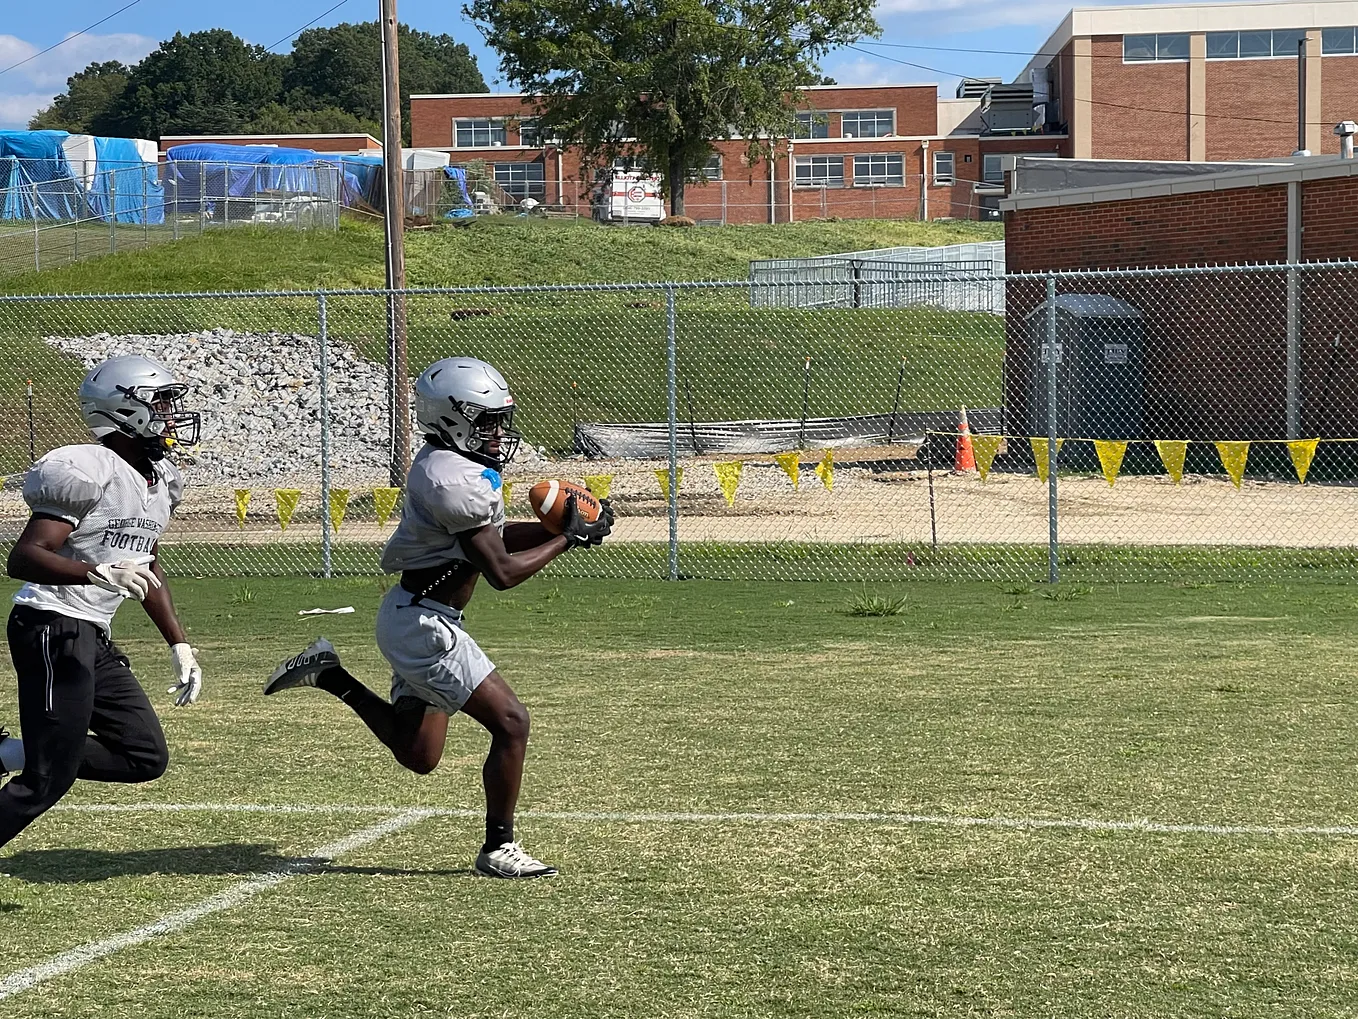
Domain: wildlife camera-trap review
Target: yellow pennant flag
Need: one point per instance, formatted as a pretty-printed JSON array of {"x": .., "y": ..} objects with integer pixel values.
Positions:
[
  {"x": 1303, "y": 451},
  {"x": 507, "y": 490},
  {"x": 287, "y": 504},
  {"x": 1040, "y": 455},
  {"x": 986, "y": 447},
  {"x": 384, "y": 502},
  {"x": 1233, "y": 457},
  {"x": 728, "y": 477},
  {"x": 339, "y": 502},
  {"x": 825, "y": 470},
  {"x": 791, "y": 464},
  {"x": 599, "y": 484},
  {"x": 1173, "y": 453},
  {"x": 663, "y": 476},
  {"x": 1111, "y": 452},
  {"x": 242, "y": 504}
]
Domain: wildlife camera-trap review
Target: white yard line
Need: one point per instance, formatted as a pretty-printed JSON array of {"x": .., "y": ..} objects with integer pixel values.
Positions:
[
  {"x": 737, "y": 817},
  {"x": 229, "y": 898}
]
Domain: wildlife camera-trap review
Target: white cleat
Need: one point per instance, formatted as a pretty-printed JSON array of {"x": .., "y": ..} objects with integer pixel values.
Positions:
[
  {"x": 511, "y": 861},
  {"x": 303, "y": 669}
]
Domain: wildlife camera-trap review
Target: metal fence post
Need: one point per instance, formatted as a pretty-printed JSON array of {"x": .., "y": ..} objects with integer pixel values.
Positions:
[
  {"x": 672, "y": 412},
  {"x": 113, "y": 212},
  {"x": 202, "y": 198},
  {"x": 37, "y": 244},
  {"x": 323, "y": 343},
  {"x": 145, "y": 212},
  {"x": 1053, "y": 546}
]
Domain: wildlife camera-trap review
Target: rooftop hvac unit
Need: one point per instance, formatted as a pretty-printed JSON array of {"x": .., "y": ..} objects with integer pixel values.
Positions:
[{"x": 975, "y": 88}]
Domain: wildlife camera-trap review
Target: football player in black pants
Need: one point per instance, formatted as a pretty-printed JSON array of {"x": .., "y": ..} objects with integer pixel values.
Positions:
[{"x": 99, "y": 510}]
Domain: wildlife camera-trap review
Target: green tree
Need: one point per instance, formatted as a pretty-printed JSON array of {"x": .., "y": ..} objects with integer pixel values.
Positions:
[
  {"x": 275, "y": 118},
  {"x": 672, "y": 74},
  {"x": 341, "y": 67},
  {"x": 204, "y": 83},
  {"x": 89, "y": 94}
]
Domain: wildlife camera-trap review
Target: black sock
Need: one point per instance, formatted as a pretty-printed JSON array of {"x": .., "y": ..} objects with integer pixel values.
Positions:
[
  {"x": 338, "y": 682},
  {"x": 497, "y": 833}
]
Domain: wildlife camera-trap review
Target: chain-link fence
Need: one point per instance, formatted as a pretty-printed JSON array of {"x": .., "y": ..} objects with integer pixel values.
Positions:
[
  {"x": 53, "y": 218},
  {"x": 1204, "y": 423}
]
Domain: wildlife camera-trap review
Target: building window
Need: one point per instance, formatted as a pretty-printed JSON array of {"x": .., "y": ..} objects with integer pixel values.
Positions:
[
  {"x": 709, "y": 171},
  {"x": 993, "y": 169},
  {"x": 530, "y": 132},
  {"x": 632, "y": 164},
  {"x": 812, "y": 125},
  {"x": 1164, "y": 46},
  {"x": 522, "y": 180},
  {"x": 886, "y": 170},
  {"x": 818, "y": 171},
  {"x": 478, "y": 133},
  {"x": 1338, "y": 42},
  {"x": 868, "y": 124},
  {"x": 1281, "y": 42},
  {"x": 944, "y": 163}
]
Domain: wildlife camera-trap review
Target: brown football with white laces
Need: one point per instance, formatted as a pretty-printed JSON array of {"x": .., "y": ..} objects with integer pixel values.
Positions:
[{"x": 548, "y": 499}]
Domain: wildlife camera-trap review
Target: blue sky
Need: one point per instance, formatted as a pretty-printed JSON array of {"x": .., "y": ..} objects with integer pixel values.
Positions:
[{"x": 969, "y": 25}]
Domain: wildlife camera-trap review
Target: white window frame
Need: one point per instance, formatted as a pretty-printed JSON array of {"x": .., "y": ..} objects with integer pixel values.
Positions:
[
  {"x": 493, "y": 126},
  {"x": 1274, "y": 53},
  {"x": 531, "y": 126},
  {"x": 877, "y": 115},
  {"x": 986, "y": 158},
  {"x": 528, "y": 186},
  {"x": 1351, "y": 51},
  {"x": 709, "y": 172},
  {"x": 1155, "y": 57},
  {"x": 809, "y": 122},
  {"x": 811, "y": 164},
  {"x": 885, "y": 179},
  {"x": 950, "y": 177}
]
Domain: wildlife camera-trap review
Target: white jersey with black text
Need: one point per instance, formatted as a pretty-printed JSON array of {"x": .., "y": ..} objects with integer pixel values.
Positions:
[
  {"x": 447, "y": 495},
  {"x": 116, "y": 515}
]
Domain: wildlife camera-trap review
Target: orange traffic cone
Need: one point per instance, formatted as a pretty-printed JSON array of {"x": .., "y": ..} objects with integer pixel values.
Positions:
[{"x": 966, "y": 455}]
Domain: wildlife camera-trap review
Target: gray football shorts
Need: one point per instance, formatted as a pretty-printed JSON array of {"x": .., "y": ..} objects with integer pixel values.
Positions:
[{"x": 432, "y": 657}]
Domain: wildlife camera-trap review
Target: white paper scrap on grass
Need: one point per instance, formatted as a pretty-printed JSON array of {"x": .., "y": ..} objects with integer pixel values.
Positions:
[{"x": 326, "y": 612}]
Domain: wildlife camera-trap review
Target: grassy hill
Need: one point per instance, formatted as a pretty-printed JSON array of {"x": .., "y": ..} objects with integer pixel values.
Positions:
[
  {"x": 591, "y": 357},
  {"x": 504, "y": 251}
]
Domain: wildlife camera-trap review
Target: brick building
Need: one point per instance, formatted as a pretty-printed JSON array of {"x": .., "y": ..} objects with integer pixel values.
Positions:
[
  {"x": 1200, "y": 81},
  {"x": 1243, "y": 353},
  {"x": 889, "y": 151}
]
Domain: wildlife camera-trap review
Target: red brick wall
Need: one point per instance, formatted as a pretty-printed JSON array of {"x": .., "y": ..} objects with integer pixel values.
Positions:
[
  {"x": 1329, "y": 216},
  {"x": 1339, "y": 98},
  {"x": 916, "y": 106},
  {"x": 1251, "y": 108},
  {"x": 431, "y": 120},
  {"x": 1139, "y": 111}
]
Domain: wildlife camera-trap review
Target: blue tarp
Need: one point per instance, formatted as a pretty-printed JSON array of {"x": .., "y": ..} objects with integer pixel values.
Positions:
[
  {"x": 458, "y": 174},
  {"x": 38, "y": 182},
  {"x": 36, "y": 177},
  {"x": 210, "y": 173},
  {"x": 124, "y": 184}
]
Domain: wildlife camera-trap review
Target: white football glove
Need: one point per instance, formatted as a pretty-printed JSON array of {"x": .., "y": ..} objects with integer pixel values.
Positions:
[
  {"x": 128, "y": 578},
  {"x": 188, "y": 675}
]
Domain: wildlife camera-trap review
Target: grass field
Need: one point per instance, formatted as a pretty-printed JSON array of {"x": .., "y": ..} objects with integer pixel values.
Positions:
[{"x": 724, "y": 772}]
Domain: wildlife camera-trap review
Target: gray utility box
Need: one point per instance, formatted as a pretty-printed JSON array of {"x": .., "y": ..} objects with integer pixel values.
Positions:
[{"x": 1100, "y": 368}]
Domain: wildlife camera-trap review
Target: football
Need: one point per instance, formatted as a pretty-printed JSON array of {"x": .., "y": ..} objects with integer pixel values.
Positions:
[{"x": 548, "y": 499}]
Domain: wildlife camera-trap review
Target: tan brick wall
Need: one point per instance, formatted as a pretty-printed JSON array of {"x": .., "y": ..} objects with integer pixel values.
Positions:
[
  {"x": 1140, "y": 111},
  {"x": 1251, "y": 108}
]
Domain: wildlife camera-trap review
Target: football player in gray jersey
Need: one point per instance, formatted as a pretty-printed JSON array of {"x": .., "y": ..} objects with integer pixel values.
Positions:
[
  {"x": 98, "y": 511},
  {"x": 453, "y": 532}
]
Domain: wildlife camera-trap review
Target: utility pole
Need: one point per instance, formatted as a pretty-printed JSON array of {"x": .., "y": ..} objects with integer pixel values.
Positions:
[
  {"x": 398, "y": 374},
  {"x": 1301, "y": 97}
]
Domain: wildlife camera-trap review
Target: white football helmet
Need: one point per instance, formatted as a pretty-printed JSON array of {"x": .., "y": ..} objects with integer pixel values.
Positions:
[
  {"x": 464, "y": 404},
  {"x": 135, "y": 396}
]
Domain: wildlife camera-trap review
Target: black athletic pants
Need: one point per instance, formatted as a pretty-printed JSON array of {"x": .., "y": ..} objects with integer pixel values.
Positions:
[{"x": 83, "y": 715}]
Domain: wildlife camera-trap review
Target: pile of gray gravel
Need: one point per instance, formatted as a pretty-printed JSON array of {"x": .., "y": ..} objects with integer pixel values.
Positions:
[{"x": 259, "y": 394}]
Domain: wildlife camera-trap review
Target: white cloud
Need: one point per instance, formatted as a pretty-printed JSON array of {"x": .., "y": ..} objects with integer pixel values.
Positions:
[
  {"x": 862, "y": 71},
  {"x": 31, "y": 86}
]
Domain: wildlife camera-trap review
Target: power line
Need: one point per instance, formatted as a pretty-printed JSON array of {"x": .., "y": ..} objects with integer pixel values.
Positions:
[
  {"x": 73, "y": 35},
  {"x": 306, "y": 26}
]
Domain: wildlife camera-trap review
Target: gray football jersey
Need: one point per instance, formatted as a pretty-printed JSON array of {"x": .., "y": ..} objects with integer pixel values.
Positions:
[
  {"x": 446, "y": 495},
  {"x": 116, "y": 515}
]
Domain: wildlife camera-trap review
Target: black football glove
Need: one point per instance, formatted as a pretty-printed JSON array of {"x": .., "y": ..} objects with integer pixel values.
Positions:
[{"x": 577, "y": 532}]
